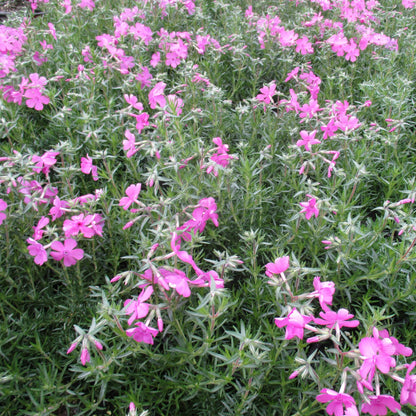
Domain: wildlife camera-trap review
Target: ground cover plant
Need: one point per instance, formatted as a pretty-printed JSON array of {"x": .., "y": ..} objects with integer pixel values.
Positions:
[{"x": 207, "y": 207}]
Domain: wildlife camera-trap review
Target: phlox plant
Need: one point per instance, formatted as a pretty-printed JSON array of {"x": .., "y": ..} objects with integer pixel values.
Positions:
[{"x": 207, "y": 207}]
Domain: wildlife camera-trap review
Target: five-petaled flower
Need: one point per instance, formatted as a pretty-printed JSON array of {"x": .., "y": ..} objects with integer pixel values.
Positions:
[
  {"x": 67, "y": 252},
  {"x": 337, "y": 402},
  {"x": 309, "y": 207}
]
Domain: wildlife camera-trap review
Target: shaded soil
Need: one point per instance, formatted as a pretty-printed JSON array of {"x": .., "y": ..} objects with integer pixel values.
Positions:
[
  {"x": 12, "y": 5},
  {"x": 9, "y": 6}
]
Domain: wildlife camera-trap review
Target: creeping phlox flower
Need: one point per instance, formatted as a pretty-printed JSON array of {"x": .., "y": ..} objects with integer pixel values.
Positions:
[
  {"x": 166, "y": 281},
  {"x": 378, "y": 405},
  {"x": 87, "y": 167},
  {"x": 219, "y": 158},
  {"x": 132, "y": 193},
  {"x": 295, "y": 323},
  {"x": 3, "y": 207},
  {"x": 337, "y": 402},
  {"x": 67, "y": 252},
  {"x": 309, "y": 207},
  {"x": 408, "y": 393}
]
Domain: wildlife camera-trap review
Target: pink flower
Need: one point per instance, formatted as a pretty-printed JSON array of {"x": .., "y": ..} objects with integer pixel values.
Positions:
[
  {"x": 44, "y": 162},
  {"x": 87, "y": 4},
  {"x": 177, "y": 280},
  {"x": 67, "y": 252},
  {"x": 35, "y": 99},
  {"x": 294, "y": 323},
  {"x": 376, "y": 354},
  {"x": 337, "y": 320},
  {"x": 408, "y": 393},
  {"x": 3, "y": 207},
  {"x": 323, "y": 290},
  {"x": 138, "y": 308},
  {"x": 85, "y": 356},
  {"x": 58, "y": 208},
  {"x": 156, "y": 96},
  {"x": 129, "y": 144},
  {"x": 309, "y": 208},
  {"x": 308, "y": 139},
  {"x": 132, "y": 193},
  {"x": 37, "y": 251},
  {"x": 38, "y": 232},
  {"x": 267, "y": 93},
  {"x": 337, "y": 402},
  {"x": 280, "y": 265},
  {"x": 142, "y": 333},
  {"x": 87, "y": 167},
  {"x": 378, "y": 405}
]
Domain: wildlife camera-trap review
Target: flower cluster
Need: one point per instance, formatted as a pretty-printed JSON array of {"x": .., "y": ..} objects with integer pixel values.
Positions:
[{"x": 374, "y": 357}]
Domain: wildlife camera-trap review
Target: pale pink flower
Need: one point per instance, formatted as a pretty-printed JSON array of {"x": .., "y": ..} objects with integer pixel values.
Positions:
[
  {"x": 67, "y": 252},
  {"x": 178, "y": 281},
  {"x": 87, "y": 4},
  {"x": 129, "y": 144}
]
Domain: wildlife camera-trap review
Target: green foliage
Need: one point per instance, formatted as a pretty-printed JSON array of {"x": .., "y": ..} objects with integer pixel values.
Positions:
[{"x": 220, "y": 352}]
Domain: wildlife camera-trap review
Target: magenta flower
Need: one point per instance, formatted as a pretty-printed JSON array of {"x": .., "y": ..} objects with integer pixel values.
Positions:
[
  {"x": 67, "y": 252},
  {"x": 85, "y": 356},
  {"x": 400, "y": 349},
  {"x": 87, "y": 167},
  {"x": 308, "y": 139},
  {"x": 376, "y": 354},
  {"x": 35, "y": 99},
  {"x": 138, "y": 308},
  {"x": 3, "y": 207},
  {"x": 294, "y": 323},
  {"x": 337, "y": 402},
  {"x": 156, "y": 96},
  {"x": 408, "y": 393},
  {"x": 280, "y": 265},
  {"x": 132, "y": 193},
  {"x": 338, "y": 319},
  {"x": 37, "y": 251},
  {"x": 177, "y": 280},
  {"x": 324, "y": 291},
  {"x": 267, "y": 93},
  {"x": 58, "y": 208},
  {"x": 378, "y": 405},
  {"x": 142, "y": 333},
  {"x": 309, "y": 208},
  {"x": 44, "y": 162},
  {"x": 38, "y": 232}
]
